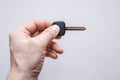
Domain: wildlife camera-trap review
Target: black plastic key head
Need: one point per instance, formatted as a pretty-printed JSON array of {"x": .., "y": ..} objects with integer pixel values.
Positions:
[{"x": 62, "y": 26}]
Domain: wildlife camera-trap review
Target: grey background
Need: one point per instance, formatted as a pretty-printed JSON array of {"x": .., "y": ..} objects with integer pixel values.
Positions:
[{"x": 90, "y": 55}]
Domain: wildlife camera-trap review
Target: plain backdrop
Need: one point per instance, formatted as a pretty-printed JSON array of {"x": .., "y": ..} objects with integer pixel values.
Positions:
[{"x": 90, "y": 55}]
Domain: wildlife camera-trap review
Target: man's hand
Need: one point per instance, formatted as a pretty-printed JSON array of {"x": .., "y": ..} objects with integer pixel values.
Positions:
[{"x": 29, "y": 45}]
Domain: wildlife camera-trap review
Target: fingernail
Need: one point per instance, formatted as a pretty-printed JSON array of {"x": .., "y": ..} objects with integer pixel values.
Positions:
[{"x": 55, "y": 28}]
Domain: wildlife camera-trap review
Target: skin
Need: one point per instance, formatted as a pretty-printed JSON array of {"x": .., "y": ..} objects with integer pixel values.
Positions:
[{"x": 29, "y": 45}]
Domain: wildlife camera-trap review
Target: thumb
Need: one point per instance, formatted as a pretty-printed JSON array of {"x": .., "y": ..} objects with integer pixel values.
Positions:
[{"x": 48, "y": 34}]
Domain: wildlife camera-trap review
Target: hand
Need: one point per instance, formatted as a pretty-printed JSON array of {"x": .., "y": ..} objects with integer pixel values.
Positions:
[{"x": 29, "y": 45}]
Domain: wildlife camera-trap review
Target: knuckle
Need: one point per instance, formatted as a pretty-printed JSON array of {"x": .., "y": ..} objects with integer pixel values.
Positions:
[
  {"x": 33, "y": 21},
  {"x": 30, "y": 23}
]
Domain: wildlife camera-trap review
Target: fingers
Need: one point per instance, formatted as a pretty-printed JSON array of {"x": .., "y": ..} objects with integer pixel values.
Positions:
[
  {"x": 33, "y": 26},
  {"x": 52, "y": 55},
  {"x": 56, "y": 48},
  {"x": 58, "y": 37},
  {"x": 53, "y": 49},
  {"x": 48, "y": 34}
]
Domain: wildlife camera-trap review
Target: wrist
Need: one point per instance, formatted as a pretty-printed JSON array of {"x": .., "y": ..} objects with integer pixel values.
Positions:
[{"x": 17, "y": 74}]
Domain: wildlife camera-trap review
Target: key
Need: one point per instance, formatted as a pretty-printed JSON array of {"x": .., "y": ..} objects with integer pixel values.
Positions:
[
  {"x": 78, "y": 28},
  {"x": 63, "y": 27}
]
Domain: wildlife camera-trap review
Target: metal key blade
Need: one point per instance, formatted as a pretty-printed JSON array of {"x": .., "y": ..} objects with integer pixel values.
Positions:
[{"x": 75, "y": 28}]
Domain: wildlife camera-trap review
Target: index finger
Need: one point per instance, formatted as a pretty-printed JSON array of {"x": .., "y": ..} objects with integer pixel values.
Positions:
[{"x": 33, "y": 26}]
